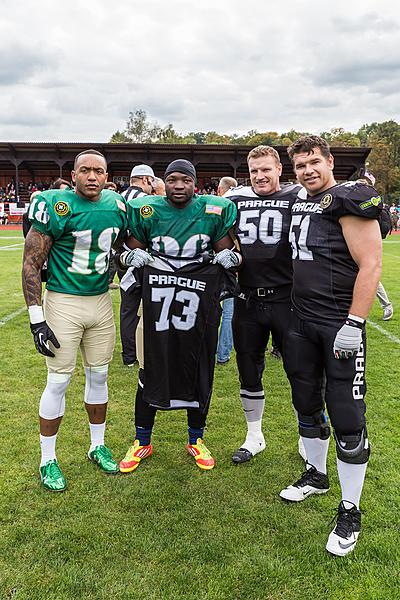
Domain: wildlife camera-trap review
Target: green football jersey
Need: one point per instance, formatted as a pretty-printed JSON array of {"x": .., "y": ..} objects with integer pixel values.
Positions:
[
  {"x": 83, "y": 233},
  {"x": 185, "y": 232}
]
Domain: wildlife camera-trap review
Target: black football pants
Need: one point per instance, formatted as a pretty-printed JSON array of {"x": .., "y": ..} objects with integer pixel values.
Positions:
[
  {"x": 253, "y": 322},
  {"x": 128, "y": 324},
  {"x": 308, "y": 353}
]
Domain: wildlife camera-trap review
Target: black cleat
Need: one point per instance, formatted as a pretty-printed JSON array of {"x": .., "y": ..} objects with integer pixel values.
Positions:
[
  {"x": 343, "y": 538},
  {"x": 311, "y": 482},
  {"x": 242, "y": 455}
]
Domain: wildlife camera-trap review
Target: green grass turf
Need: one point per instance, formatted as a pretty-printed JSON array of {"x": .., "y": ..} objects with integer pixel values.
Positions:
[{"x": 170, "y": 531}]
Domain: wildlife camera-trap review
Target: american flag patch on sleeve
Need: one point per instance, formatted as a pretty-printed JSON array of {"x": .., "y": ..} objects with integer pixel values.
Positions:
[{"x": 214, "y": 210}]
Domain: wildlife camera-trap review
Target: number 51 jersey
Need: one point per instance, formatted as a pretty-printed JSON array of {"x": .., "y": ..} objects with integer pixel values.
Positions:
[
  {"x": 324, "y": 271},
  {"x": 83, "y": 233}
]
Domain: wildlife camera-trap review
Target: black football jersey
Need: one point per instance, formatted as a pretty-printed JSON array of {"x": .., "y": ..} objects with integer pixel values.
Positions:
[
  {"x": 181, "y": 314},
  {"x": 262, "y": 228},
  {"x": 323, "y": 270}
]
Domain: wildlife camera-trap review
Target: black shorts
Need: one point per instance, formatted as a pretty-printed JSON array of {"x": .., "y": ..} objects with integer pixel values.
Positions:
[
  {"x": 308, "y": 353},
  {"x": 253, "y": 322}
]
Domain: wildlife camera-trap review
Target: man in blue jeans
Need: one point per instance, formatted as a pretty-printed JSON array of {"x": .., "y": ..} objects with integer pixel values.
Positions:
[{"x": 225, "y": 339}]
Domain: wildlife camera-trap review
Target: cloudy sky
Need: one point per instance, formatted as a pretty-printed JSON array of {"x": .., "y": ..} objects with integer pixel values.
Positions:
[{"x": 72, "y": 71}]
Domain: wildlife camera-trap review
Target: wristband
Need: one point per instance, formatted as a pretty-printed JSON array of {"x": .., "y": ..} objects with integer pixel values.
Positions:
[
  {"x": 355, "y": 321},
  {"x": 35, "y": 314},
  {"x": 239, "y": 257}
]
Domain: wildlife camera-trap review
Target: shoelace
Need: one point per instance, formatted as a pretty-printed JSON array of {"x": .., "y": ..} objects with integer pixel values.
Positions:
[
  {"x": 54, "y": 470},
  {"x": 104, "y": 452},
  {"x": 345, "y": 521},
  {"x": 307, "y": 474},
  {"x": 204, "y": 450},
  {"x": 131, "y": 451}
]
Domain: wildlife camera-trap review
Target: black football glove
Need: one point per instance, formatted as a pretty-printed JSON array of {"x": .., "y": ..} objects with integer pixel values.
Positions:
[{"x": 42, "y": 335}]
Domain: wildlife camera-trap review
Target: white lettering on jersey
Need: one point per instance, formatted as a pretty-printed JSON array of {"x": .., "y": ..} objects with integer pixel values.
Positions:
[
  {"x": 193, "y": 284},
  {"x": 258, "y": 203},
  {"x": 307, "y": 207},
  {"x": 190, "y": 304}
]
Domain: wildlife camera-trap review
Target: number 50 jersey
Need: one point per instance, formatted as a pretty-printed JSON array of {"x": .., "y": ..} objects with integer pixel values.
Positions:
[
  {"x": 83, "y": 233},
  {"x": 262, "y": 228}
]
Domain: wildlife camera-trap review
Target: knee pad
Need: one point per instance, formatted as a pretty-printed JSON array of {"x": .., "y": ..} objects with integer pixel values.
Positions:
[
  {"x": 353, "y": 449},
  {"x": 52, "y": 402},
  {"x": 96, "y": 390},
  {"x": 314, "y": 426}
]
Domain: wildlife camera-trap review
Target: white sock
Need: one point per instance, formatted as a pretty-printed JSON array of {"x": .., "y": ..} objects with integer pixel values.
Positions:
[
  {"x": 97, "y": 431},
  {"x": 254, "y": 441},
  {"x": 351, "y": 479},
  {"x": 316, "y": 452},
  {"x": 254, "y": 429},
  {"x": 48, "y": 448}
]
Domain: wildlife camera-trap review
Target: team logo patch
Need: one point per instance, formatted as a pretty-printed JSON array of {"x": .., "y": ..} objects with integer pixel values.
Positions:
[
  {"x": 146, "y": 211},
  {"x": 326, "y": 201},
  {"x": 375, "y": 201},
  {"x": 61, "y": 208},
  {"x": 211, "y": 209}
]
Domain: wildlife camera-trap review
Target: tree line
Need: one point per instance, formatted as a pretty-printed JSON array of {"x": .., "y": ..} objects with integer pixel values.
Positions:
[{"x": 383, "y": 138}]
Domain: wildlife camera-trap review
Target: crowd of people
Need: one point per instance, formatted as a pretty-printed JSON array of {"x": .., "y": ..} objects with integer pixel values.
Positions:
[{"x": 298, "y": 262}]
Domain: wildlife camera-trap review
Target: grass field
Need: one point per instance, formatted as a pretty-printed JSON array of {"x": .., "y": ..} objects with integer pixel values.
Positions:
[{"x": 170, "y": 531}]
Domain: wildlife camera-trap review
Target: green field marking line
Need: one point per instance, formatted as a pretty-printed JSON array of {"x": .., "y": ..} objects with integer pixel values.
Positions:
[
  {"x": 391, "y": 337},
  {"x": 11, "y": 316}
]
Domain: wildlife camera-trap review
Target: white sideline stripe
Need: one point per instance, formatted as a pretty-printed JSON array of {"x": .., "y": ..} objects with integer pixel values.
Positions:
[
  {"x": 11, "y": 237},
  {"x": 11, "y": 246},
  {"x": 12, "y": 315},
  {"x": 391, "y": 337}
]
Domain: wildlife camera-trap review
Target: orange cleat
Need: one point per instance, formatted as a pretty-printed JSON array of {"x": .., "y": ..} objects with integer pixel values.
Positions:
[
  {"x": 201, "y": 455},
  {"x": 133, "y": 457}
]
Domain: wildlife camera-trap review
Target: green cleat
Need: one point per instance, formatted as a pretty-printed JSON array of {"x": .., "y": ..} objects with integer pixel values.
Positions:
[
  {"x": 51, "y": 477},
  {"x": 102, "y": 457}
]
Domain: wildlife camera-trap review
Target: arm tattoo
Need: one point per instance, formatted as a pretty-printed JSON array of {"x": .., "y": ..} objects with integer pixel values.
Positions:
[{"x": 36, "y": 251}]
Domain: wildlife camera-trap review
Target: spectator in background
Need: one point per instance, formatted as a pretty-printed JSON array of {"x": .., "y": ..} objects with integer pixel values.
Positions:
[
  {"x": 60, "y": 184},
  {"x": 141, "y": 184},
  {"x": 225, "y": 339},
  {"x": 158, "y": 187},
  {"x": 394, "y": 216},
  {"x": 112, "y": 268},
  {"x": 110, "y": 185}
]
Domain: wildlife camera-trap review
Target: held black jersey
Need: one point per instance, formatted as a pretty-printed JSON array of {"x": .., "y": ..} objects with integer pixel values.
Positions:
[
  {"x": 262, "y": 228},
  {"x": 324, "y": 271},
  {"x": 181, "y": 314}
]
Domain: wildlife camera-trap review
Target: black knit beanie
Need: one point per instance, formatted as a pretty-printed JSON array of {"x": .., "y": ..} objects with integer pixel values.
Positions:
[{"x": 181, "y": 166}]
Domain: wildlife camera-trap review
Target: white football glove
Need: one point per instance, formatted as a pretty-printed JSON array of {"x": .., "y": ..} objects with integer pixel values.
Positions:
[
  {"x": 135, "y": 258},
  {"x": 227, "y": 258},
  {"x": 348, "y": 339}
]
